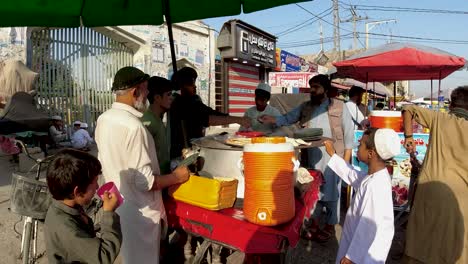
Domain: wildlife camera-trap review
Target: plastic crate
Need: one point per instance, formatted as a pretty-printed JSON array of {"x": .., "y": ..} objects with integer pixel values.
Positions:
[{"x": 29, "y": 197}]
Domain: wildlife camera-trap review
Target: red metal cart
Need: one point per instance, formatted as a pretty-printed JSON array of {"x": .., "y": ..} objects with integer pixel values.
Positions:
[{"x": 227, "y": 229}]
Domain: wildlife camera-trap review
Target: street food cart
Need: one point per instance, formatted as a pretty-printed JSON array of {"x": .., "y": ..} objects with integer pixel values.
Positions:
[{"x": 226, "y": 234}]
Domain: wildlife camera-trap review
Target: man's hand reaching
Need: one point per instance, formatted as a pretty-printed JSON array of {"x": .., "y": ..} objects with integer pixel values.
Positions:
[{"x": 329, "y": 147}]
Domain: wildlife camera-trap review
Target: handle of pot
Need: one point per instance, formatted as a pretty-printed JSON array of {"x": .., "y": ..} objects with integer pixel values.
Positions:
[
  {"x": 240, "y": 165},
  {"x": 296, "y": 164}
]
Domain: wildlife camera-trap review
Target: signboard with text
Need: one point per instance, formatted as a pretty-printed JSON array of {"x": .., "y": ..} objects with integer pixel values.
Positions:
[
  {"x": 290, "y": 79},
  {"x": 255, "y": 47}
]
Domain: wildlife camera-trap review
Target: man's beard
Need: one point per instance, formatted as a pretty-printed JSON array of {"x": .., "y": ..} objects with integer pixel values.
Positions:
[
  {"x": 140, "y": 105},
  {"x": 317, "y": 99}
]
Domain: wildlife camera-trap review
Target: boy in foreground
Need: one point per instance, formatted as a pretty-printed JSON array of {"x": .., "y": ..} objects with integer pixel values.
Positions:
[
  {"x": 69, "y": 233},
  {"x": 368, "y": 229}
]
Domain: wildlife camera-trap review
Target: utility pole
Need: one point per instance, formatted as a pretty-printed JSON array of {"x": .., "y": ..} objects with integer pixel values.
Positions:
[
  {"x": 371, "y": 25},
  {"x": 355, "y": 18},
  {"x": 321, "y": 36},
  {"x": 336, "y": 30}
]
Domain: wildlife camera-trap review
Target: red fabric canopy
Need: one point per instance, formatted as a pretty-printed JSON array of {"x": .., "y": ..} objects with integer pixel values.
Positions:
[{"x": 399, "y": 61}]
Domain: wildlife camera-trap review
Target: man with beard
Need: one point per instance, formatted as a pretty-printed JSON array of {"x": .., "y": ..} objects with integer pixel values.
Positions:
[
  {"x": 128, "y": 156},
  {"x": 336, "y": 122}
]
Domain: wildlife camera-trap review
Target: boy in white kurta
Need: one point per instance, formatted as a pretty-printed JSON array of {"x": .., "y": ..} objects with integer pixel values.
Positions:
[{"x": 368, "y": 229}]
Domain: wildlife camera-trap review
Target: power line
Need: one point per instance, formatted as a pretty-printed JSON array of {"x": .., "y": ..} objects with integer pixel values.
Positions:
[
  {"x": 418, "y": 38},
  {"x": 345, "y": 29},
  {"x": 406, "y": 9},
  {"x": 307, "y": 40},
  {"x": 288, "y": 24},
  {"x": 308, "y": 20},
  {"x": 310, "y": 42},
  {"x": 411, "y": 11},
  {"x": 425, "y": 41},
  {"x": 303, "y": 24}
]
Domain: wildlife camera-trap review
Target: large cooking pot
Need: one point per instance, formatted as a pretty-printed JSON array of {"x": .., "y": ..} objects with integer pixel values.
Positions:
[{"x": 221, "y": 160}]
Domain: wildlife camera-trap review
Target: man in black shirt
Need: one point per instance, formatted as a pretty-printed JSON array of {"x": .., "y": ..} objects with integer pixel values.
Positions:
[{"x": 189, "y": 116}]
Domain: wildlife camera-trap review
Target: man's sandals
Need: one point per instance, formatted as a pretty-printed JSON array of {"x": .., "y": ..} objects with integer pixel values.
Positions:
[{"x": 320, "y": 236}]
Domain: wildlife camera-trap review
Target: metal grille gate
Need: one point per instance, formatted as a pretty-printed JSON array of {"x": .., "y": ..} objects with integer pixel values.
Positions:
[{"x": 76, "y": 67}]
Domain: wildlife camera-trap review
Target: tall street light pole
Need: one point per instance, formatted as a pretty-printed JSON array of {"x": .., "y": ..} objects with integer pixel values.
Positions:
[{"x": 371, "y": 25}]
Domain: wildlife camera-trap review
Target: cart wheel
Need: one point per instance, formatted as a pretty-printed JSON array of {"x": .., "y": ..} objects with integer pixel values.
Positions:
[
  {"x": 210, "y": 252},
  {"x": 287, "y": 253},
  {"x": 200, "y": 252},
  {"x": 287, "y": 257}
]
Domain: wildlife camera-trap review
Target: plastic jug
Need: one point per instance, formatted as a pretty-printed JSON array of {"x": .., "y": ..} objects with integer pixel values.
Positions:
[{"x": 269, "y": 183}]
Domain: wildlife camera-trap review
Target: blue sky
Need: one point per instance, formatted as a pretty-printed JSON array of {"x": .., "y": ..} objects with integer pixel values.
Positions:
[{"x": 414, "y": 24}]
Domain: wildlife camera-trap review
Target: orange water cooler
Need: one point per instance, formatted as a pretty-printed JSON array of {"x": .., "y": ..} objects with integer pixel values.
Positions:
[
  {"x": 269, "y": 183},
  {"x": 387, "y": 119}
]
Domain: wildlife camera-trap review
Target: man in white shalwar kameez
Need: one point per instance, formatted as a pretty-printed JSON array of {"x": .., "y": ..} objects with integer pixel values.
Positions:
[
  {"x": 368, "y": 229},
  {"x": 128, "y": 156}
]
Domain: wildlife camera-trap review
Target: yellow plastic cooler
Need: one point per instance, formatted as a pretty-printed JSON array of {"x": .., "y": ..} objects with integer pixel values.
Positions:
[{"x": 212, "y": 194}]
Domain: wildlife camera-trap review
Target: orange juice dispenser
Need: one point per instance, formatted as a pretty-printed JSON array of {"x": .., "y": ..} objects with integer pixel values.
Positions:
[
  {"x": 269, "y": 182},
  {"x": 387, "y": 119}
]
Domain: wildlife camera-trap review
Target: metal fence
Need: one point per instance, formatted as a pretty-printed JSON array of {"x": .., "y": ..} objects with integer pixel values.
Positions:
[{"x": 76, "y": 67}]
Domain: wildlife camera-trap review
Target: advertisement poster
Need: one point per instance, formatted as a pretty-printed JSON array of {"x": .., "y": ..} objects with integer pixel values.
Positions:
[
  {"x": 402, "y": 166},
  {"x": 290, "y": 79}
]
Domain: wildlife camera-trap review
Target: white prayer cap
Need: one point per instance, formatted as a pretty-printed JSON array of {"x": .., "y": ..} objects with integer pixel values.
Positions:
[
  {"x": 264, "y": 86},
  {"x": 387, "y": 143},
  {"x": 56, "y": 117},
  {"x": 77, "y": 123},
  {"x": 84, "y": 125}
]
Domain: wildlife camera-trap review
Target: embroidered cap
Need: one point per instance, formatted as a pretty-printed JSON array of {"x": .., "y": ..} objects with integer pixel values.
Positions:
[{"x": 387, "y": 143}]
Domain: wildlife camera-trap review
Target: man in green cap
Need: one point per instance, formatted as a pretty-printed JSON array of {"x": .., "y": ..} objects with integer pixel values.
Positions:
[
  {"x": 128, "y": 156},
  {"x": 160, "y": 99}
]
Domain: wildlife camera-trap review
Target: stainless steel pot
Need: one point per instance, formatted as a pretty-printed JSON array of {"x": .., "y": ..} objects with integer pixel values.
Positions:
[{"x": 221, "y": 160}]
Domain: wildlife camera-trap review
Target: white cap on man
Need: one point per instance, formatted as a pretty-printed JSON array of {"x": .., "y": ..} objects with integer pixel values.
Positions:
[
  {"x": 77, "y": 123},
  {"x": 387, "y": 143},
  {"x": 84, "y": 125},
  {"x": 264, "y": 86},
  {"x": 56, "y": 117}
]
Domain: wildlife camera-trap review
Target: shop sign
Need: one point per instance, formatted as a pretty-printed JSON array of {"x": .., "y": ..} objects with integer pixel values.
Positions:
[
  {"x": 290, "y": 79},
  {"x": 255, "y": 47}
]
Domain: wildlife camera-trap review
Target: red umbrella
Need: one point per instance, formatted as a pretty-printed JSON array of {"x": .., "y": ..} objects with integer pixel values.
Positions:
[{"x": 399, "y": 61}]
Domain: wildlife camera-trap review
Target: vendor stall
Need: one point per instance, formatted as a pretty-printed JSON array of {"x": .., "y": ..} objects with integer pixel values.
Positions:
[
  {"x": 400, "y": 168},
  {"x": 393, "y": 62},
  {"x": 229, "y": 231}
]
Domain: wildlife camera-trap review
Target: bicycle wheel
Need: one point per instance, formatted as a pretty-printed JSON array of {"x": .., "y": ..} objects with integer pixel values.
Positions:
[{"x": 27, "y": 242}]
